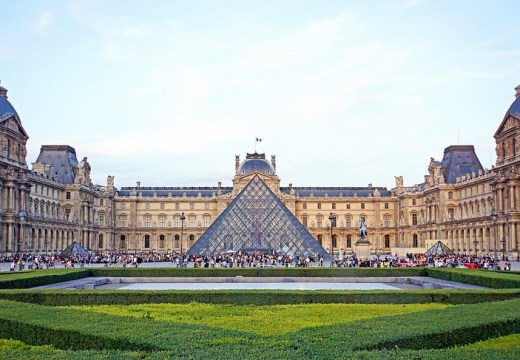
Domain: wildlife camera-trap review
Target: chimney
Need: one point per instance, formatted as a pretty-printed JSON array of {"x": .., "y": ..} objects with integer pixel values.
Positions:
[
  {"x": 138, "y": 185},
  {"x": 517, "y": 95},
  {"x": 3, "y": 90},
  {"x": 273, "y": 162},
  {"x": 237, "y": 163}
]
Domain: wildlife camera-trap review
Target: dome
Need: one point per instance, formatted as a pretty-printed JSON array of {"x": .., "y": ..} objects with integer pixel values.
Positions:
[
  {"x": 514, "y": 109},
  {"x": 6, "y": 109},
  {"x": 255, "y": 163}
]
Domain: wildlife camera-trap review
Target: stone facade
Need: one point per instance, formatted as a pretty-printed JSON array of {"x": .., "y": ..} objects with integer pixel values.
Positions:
[{"x": 55, "y": 203}]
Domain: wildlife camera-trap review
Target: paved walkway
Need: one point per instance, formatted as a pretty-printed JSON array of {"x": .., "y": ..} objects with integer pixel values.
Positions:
[{"x": 4, "y": 266}]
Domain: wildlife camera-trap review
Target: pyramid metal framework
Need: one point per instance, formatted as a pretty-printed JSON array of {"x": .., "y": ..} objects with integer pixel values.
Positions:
[
  {"x": 257, "y": 221},
  {"x": 74, "y": 249},
  {"x": 439, "y": 249}
]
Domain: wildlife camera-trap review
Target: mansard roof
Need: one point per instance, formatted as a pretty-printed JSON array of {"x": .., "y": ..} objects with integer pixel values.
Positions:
[
  {"x": 62, "y": 160},
  {"x": 336, "y": 191},
  {"x": 459, "y": 160},
  {"x": 173, "y": 191}
]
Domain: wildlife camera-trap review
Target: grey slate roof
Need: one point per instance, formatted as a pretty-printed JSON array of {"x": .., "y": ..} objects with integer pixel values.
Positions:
[
  {"x": 62, "y": 159},
  {"x": 255, "y": 163},
  {"x": 459, "y": 160},
  {"x": 336, "y": 191},
  {"x": 514, "y": 109},
  {"x": 6, "y": 109},
  {"x": 174, "y": 191}
]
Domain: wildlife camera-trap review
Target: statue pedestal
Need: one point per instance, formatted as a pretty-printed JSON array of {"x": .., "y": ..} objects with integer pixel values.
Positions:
[{"x": 363, "y": 249}]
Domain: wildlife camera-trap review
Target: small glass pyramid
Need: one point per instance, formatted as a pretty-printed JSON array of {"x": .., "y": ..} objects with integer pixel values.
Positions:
[
  {"x": 257, "y": 222},
  {"x": 439, "y": 249}
]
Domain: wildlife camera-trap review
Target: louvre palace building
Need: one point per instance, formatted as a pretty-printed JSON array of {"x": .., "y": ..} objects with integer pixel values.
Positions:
[{"x": 46, "y": 206}]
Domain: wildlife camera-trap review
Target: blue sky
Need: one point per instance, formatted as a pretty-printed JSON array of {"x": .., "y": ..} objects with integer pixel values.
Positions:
[{"x": 345, "y": 93}]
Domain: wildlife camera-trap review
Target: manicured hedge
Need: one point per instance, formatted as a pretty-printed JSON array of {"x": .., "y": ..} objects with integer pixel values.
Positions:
[
  {"x": 485, "y": 278},
  {"x": 27, "y": 279},
  {"x": 68, "y": 328},
  {"x": 257, "y": 272},
  {"x": 396, "y": 354},
  {"x": 255, "y": 297}
]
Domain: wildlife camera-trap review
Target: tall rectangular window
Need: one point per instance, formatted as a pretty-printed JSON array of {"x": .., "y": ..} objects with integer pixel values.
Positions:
[
  {"x": 176, "y": 222},
  {"x": 206, "y": 206},
  {"x": 162, "y": 206},
  {"x": 101, "y": 202},
  {"x": 386, "y": 205},
  {"x": 67, "y": 195},
  {"x": 177, "y": 206},
  {"x": 304, "y": 205},
  {"x": 191, "y": 223},
  {"x": 319, "y": 221},
  {"x": 304, "y": 221},
  {"x": 348, "y": 206},
  {"x": 147, "y": 220},
  {"x": 319, "y": 205},
  {"x": 101, "y": 219},
  {"x": 122, "y": 221},
  {"x": 162, "y": 221},
  {"x": 333, "y": 206},
  {"x": 206, "y": 221},
  {"x": 414, "y": 219}
]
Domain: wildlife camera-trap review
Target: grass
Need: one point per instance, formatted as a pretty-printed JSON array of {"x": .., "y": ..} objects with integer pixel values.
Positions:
[{"x": 262, "y": 320}]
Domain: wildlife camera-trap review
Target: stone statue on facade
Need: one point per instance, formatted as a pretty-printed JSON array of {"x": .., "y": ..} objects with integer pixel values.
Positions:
[{"x": 363, "y": 230}]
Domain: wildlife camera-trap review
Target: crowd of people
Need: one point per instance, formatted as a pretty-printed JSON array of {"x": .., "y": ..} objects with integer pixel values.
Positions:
[{"x": 242, "y": 260}]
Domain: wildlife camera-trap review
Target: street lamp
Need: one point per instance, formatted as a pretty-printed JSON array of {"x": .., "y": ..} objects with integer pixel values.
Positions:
[
  {"x": 22, "y": 216},
  {"x": 494, "y": 217},
  {"x": 332, "y": 220},
  {"x": 476, "y": 246},
  {"x": 182, "y": 218}
]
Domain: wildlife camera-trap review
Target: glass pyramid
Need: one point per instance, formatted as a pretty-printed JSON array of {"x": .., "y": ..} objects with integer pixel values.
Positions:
[
  {"x": 439, "y": 249},
  {"x": 257, "y": 222},
  {"x": 72, "y": 250}
]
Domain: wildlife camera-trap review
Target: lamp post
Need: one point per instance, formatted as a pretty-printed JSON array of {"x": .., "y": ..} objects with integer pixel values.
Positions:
[
  {"x": 182, "y": 218},
  {"x": 506, "y": 236},
  {"x": 476, "y": 246},
  {"x": 332, "y": 220},
  {"x": 494, "y": 217},
  {"x": 22, "y": 214}
]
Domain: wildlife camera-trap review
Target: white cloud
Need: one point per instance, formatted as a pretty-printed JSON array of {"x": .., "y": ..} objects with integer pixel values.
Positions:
[{"x": 43, "y": 23}]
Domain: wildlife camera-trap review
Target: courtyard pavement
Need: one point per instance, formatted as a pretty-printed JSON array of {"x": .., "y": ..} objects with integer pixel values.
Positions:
[{"x": 4, "y": 266}]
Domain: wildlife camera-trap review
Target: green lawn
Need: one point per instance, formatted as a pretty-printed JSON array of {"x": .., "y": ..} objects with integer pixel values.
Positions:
[{"x": 262, "y": 320}]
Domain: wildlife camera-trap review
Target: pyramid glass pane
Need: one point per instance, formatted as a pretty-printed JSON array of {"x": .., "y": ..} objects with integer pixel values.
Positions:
[{"x": 257, "y": 221}]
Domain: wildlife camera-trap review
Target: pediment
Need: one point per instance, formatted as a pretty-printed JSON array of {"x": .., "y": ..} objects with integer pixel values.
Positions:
[
  {"x": 12, "y": 123},
  {"x": 509, "y": 122}
]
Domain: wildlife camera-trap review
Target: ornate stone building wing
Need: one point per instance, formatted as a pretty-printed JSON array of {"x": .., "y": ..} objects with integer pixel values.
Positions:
[{"x": 256, "y": 220}]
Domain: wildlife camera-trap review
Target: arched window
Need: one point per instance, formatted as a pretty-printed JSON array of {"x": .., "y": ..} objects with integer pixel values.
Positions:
[
  {"x": 320, "y": 239},
  {"x": 177, "y": 240},
  {"x": 122, "y": 241},
  {"x": 191, "y": 239},
  {"x": 387, "y": 241},
  {"x": 415, "y": 241},
  {"x": 349, "y": 241},
  {"x": 161, "y": 241},
  {"x": 147, "y": 241},
  {"x": 100, "y": 241},
  {"x": 334, "y": 241}
]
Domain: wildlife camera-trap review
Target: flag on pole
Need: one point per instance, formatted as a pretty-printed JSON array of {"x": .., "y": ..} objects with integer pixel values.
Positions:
[{"x": 258, "y": 140}]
